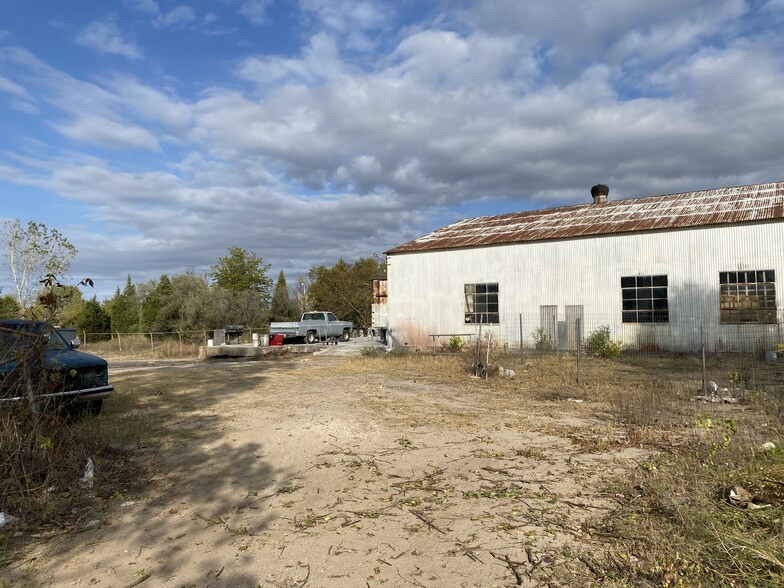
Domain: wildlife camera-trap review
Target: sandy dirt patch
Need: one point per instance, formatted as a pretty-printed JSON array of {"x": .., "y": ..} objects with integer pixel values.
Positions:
[{"x": 293, "y": 473}]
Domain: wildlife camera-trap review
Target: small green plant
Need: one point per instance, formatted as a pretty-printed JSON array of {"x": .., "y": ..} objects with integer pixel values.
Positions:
[
  {"x": 601, "y": 342},
  {"x": 453, "y": 345},
  {"x": 736, "y": 379},
  {"x": 542, "y": 339}
]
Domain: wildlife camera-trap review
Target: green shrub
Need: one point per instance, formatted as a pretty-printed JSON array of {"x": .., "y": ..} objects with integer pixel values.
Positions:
[
  {"x": 542, "y": 339},
  {"x": 454, "y": 344},
  {"x": 600, "y": 342}
]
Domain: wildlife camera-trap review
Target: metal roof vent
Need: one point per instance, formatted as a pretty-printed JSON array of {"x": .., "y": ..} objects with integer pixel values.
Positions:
[{"x": 600, "y": 193}]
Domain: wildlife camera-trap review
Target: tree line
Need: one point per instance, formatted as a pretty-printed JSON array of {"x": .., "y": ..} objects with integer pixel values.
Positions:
[{"x": 236, "y": 290}]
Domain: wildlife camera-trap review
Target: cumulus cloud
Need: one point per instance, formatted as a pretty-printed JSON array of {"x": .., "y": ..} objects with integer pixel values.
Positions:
[
  {"x": 349, "y": 15},
  {"x": 149, "y": 7},
  {"x": 320, "y": 61},
  {"x": 109, "y": 134},
  {"x": 502, "y": 100},
  {"x": 105, "y": 36},
  {"x": 177, "y": 17},
  {"x": 255, "y": 10}
]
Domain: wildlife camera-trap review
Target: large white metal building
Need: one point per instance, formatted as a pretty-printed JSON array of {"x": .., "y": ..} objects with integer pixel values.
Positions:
[{"x": 663, "y": 273}]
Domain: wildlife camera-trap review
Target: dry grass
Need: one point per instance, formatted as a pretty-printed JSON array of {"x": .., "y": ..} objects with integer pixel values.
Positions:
[
  {"x": 675, "y": 525},
  {"x": 140, "y": 347}
]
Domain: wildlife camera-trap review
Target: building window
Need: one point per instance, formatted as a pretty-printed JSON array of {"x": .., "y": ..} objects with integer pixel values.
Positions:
[
  {"x": 481, "y": 303},
  {"x": 748, "y": 297},
  {"x": 645, "y": 299}
]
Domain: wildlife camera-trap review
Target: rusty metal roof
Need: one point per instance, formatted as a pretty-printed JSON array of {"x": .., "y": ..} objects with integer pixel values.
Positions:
[{"x": 755, "y": 203}]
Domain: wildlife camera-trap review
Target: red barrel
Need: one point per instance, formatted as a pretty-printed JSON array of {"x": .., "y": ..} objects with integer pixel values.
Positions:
[{"x": 276, "y": 340}]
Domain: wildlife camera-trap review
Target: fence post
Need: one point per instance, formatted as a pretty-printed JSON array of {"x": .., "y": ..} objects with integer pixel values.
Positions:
[
  {"x": 180, "y": 334},
  {"x": 579, "y": 347},
  {"x": 119, "y": 341},
  {"x": 704, "y": 369},
  {"x": 521, "y": 342},
  {"x": 84, "y": 337},
  {"x": 152, "y": 343}
]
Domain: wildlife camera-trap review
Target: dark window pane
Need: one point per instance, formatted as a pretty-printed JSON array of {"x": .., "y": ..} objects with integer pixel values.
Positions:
[
  {"x": 646, "y": 304},
  {"x": 629, "y": 317},
  {"x": 659, "y": 280},
  {"x": 481, "y": 288},
  {"x": 643, "y": 281},
  {"x": 748, "y": 316},
  {"x": 629, "y": 294},
  {"x": 628, "y": 282},
  {"x": 661, "y": 317},
  {"x": 723, "y": 277},
  {"x": 492, "y": 288},
  {"x": 644, "y": 293},
  {"x": 645, "y": 317},
  {"x": 733, "y": 277},
  {"x": 630, "y": 305},
  {"x": 660, "y": 293},
  {"x": 660, "y": 304},
  {"x": 770, "y": 276}
]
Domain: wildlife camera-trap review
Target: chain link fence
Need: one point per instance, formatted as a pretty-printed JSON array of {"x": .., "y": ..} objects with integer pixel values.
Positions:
[{"x": 720, "y": 361}]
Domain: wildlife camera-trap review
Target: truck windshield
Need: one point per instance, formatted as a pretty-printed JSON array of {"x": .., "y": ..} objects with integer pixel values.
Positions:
[
  {"x": 29, "y": 336},
  {"x": 313, "y": 316}
]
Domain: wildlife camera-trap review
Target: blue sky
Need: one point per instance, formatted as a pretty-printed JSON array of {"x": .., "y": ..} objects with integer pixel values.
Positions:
[{"x": 155, "y": 134}]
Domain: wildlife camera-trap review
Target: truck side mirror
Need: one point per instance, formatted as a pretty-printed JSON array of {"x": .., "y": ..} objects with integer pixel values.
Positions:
[{"x": 76, "y": 343}]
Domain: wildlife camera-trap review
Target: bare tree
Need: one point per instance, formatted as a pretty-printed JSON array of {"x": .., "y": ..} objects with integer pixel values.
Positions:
[{"x": 33, "y": 253}]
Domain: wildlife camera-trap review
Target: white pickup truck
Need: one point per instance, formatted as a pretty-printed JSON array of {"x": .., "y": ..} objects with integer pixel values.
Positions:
[{"x": 314, "y": 326}]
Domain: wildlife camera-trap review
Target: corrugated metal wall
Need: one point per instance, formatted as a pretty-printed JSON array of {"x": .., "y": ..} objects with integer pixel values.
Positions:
[{"x": 426, "y": 289}]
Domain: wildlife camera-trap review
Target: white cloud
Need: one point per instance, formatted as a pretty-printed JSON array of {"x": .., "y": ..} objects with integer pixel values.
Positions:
[
  {"x": 149, "y": 7},
  {"x": 344, "y": 16},
  {"x": 255, "y": 10},
  {"x": 13, "y": 88},
  {"x": 177, "y": 17},
  {"x": 109, "y": 134},
  {"x": 150, "y": 104},
  {"x": 320, "y": 61},
  {"x": 105, "y": 36},
  {"x": 509, "y": 100}
]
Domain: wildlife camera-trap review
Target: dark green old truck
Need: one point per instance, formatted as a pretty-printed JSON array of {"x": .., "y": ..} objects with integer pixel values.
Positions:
[{"x": 36, "y": 362}]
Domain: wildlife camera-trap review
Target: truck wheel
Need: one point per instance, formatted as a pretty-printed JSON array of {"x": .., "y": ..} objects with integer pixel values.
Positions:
[
  {"x": 310, "y": 337},
  {"x": 345, "y": 336}
]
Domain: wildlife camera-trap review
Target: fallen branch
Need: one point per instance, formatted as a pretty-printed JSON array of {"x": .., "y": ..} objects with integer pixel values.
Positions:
[
  {"x": 424, "y": 519},
  {"x": 512, "y": 565}
]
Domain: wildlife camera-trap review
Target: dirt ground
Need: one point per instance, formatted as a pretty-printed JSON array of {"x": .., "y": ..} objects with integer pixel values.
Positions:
[{"x": 298, "y": 472}]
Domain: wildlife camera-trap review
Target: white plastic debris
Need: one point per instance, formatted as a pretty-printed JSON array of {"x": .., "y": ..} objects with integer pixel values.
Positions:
[
  {"x": 89, "y": 474},
  {"x": 714, "y": 388},
  {"x": 7, "y": 519},
  {"x": 768, "y": 446}
]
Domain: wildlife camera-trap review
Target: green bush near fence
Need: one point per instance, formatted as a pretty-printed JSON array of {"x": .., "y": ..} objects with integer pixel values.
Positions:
[
  {"x": 542, "y": 339},
  {"x": 601, "y": 342}
]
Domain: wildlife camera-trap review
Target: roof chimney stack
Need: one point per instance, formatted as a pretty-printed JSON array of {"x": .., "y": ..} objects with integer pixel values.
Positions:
[{"x": 600, "y": 193}]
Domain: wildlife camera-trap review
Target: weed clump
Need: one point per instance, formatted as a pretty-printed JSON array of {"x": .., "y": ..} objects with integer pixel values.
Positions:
[{"x": 601, "y": 342}]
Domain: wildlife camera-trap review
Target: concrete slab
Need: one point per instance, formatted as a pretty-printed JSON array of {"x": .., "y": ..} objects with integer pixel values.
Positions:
[{"x": 352, "y": 347}]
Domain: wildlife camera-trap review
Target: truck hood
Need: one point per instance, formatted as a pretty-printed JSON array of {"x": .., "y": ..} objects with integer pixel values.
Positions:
[{"x": 74, "y": 359}]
